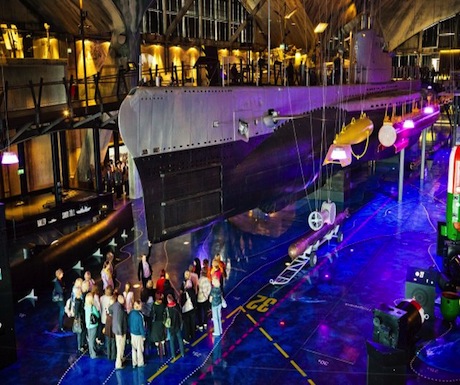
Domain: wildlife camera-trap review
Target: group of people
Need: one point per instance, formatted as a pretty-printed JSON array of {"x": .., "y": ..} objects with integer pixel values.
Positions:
[
  {"x": 116, "y": 177},
  {"x": 160, "y": 314}
]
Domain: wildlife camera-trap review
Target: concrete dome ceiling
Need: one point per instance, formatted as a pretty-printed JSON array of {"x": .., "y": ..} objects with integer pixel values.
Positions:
[{"x": 396, "y": 20}]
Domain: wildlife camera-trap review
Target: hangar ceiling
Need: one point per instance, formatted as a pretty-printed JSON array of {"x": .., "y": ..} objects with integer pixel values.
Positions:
[{"x": 291, "y": 20}]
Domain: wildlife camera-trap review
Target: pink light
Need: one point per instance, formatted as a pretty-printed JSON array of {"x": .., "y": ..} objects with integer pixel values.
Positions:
[
  {"x": 428, "y": 110},
  {"x": 409, "y": 123},
  {"x": 9, "y": 158},
  {"x": 282, "y": 323}
]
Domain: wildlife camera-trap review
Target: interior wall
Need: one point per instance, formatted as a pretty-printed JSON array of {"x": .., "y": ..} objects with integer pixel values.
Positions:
[{"x": 40, "y": 164}]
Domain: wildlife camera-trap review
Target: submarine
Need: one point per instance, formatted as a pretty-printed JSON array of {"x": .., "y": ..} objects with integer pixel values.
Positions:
[{"x": 207, "y": 153}]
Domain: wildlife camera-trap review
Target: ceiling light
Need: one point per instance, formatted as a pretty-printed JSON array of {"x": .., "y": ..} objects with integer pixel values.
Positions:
[
  {"x": 9, "y": 157},
  {"x": 320, "y": 28},
  {"x": 290, "y": 14}
]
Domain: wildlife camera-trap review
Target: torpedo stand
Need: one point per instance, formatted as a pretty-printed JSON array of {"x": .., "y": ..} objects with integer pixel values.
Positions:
[{"x": 325, "y": 225}]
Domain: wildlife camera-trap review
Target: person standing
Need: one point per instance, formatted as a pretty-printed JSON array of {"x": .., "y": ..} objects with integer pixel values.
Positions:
[
  {"x": 125, "y": 175},
  {"x": 106, "y": 276},
  {"x": 188, "y": 303},
  {"x": 105, "y": 303},
  {"x": 161, "y": 282},
  {"x": 290, "y": 74},
  {"x": 118, "y": 179},
  {"x": 215, "y": 298},
  {"x": 129, "y": 297},
  {"x": 174, "y": 331},
  {"x": 197, "y": 266},
  {"x": 108, "y": 332},
  {"x": 337, "y": 68},
  {"x": 92, "y": 317},
  {"x": 147, "y": 300},
  {"x": 90, "y": 280},
  {"x": 204, "y": 289},
  {"x": 110, "y": 259},
  {"x": 58, "y": 297},
  {"x": 144, "y": 270},
  {"x": 157, "y": 329},
  {"x": 79, "y": 313},
  {"x": 119, "y": 328},
  {"x": 137, "y": 332},
  {"x": 194, "y": 277}
]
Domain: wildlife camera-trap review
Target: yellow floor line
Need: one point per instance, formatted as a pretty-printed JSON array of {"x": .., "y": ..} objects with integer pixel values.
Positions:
[
  {"x": 294, "y": 364},
  {"x": 236, "y": 310},
  {"x": 251, "y": 318},
  {"x": 200, "y": 339},
  {"x": 159, "y": 371},
  {"x": 281, "y": 350},
  {"x": 266, "y": 334}
]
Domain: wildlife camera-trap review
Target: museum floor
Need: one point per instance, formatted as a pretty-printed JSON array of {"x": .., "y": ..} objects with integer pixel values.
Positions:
[{"x": 313, "y": 330}]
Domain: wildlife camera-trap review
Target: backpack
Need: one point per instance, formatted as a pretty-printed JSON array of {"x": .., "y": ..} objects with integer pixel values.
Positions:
[{"x": 166, "y": 319}]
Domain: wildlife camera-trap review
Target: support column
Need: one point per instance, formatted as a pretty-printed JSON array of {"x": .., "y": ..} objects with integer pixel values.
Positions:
[
  {"x": 401, "y": 175},
  {"x": 56, "y": 168},
  {"x": 64, "y": 160},
  {"x": 7, "y": 334},
  {"x": 97, "y": 160},
  {"x": 422, "y": 163},
  {"x": 22, "y": 166},
  {"x": 116, "y": 146}
]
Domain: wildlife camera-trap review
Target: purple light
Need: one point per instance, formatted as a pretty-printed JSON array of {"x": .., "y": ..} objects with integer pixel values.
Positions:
[
  {"x": 428, "y": 110},
  {"x": 409, "y": 123}
]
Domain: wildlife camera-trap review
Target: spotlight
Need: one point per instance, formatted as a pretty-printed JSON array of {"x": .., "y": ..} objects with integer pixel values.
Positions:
[
  {"x": 338, "y": 154},
  {"x": 428, "y": 110},
  {"x": 409, "y": 123}
]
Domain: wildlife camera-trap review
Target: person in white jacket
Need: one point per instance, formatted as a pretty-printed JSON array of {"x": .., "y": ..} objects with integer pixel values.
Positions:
[{"x": 204, "y": 288}]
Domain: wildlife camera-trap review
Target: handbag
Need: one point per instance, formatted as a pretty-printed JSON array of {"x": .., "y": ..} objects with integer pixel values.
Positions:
[
  {"x": 167, "y": 319},
  {"x": 56, "y": 297},
  {"x": 188, "y": 305},
  {"x": 76, "y": 326},
  {"x": 224, "y": 303},
  {"x": 93, "y": 318}
]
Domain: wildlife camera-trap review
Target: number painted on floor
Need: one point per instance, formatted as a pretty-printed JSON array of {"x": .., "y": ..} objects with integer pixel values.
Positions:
[{"x": 261, "y": 303}]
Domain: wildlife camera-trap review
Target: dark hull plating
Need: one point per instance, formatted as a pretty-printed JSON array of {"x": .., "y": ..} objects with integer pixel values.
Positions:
[{"x": 191, "y": 188}]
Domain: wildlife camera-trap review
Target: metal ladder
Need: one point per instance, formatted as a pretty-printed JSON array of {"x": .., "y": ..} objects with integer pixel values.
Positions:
[{"x": 291, "y": 271}]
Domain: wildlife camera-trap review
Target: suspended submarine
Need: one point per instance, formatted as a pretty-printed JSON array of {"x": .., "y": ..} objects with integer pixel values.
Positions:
[{"x": 207, "y": 153}]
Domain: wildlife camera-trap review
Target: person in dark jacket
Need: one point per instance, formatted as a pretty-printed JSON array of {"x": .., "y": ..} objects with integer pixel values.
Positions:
[
  {"x": 157, "y": 329},
  {"x": 119, "y": 328},
  {"x": 173, "y": 312},
  {"x": 168, "y": 289},
  {"x": 107, "y": 331},
  {"x": 189, "y": 305},
  {"x": 58, "y": 297},
  {"x": 144, "y": 270},
  {"x": 137, "y": 332}
]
